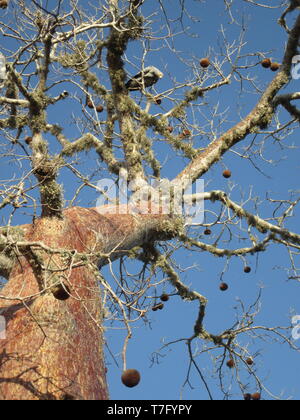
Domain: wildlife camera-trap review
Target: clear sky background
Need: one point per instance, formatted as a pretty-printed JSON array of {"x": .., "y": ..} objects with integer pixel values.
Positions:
[{"x": 164, "y": 371}]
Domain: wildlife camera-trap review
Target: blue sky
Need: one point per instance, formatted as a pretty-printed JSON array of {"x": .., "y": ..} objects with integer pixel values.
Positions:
[{"x": 164, "y": 371}]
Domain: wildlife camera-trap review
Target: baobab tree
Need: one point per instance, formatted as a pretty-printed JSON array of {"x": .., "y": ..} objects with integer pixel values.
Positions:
[{"x": 65, "y": 96}]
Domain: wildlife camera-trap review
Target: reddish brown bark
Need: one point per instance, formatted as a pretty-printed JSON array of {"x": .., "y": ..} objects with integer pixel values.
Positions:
[{"x": 53, "y": 348}]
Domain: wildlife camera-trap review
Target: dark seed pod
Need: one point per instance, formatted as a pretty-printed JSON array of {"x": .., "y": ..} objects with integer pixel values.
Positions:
[
  {"x": 274, "y": 66},
  {"x": 164, "y": 297},
  {"x": 99, "y": 108},
  {"x": 230, "y": 364},
  {"x": 227, "y": 173},
  {"x": 3, "y": 4},
  {"x": 266, "y": 63},
  {"x": 224, "y": 287},
  {"x": 207, "y": 232},
  {"x": 90, "y": 104},
  {"x": 204, "y": 62},
  {"x": 131, "y": 377},
  {"x": 256, "y": 396},
  {"x": 61, "y": 292},
  {"x": 186, "y": 133}
]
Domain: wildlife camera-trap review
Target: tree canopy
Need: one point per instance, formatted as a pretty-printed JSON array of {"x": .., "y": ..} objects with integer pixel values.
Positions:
[{"x": 89, "y": 124}]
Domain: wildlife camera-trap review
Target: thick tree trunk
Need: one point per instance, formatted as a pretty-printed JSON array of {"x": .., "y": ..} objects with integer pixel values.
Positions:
[{"x": 54, "y": 348}]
